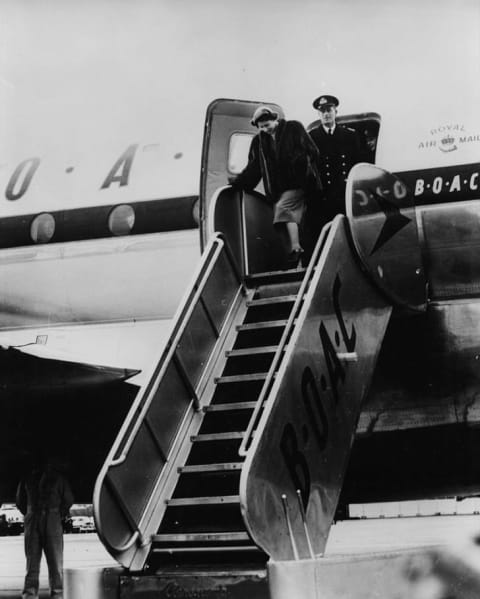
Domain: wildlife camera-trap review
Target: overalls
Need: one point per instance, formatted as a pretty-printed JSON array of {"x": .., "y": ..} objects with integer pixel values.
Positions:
[{"x": 45, "y": 498}]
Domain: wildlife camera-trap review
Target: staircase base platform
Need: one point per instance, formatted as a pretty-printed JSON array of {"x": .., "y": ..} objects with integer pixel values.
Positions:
[{"x": 236, "y": 584}]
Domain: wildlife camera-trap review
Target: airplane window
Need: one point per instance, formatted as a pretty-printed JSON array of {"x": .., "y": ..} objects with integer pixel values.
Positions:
[
  {"x": 238, "y": 152},
  {"x": 42, "y": 228},
  {"x": 121, "y": 219},
  {"x": 196, "y": 211}
]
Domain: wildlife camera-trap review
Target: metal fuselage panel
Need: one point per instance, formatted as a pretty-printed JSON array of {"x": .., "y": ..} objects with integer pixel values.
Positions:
[
  {"x": 103, "y": 280},
  {"x": 96, "y": 237},
  {"x": 418, "y": 428},
  {"x": 449, "y": 228},
  {"x": 428, "y": 371}
]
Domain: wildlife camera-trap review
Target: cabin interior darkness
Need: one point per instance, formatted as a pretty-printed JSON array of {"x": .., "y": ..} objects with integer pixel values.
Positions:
[{"x": 421, "y": 463}]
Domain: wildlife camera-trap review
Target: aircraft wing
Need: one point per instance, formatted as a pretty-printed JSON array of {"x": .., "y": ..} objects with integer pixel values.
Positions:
[{"x": 20, "y": 369}]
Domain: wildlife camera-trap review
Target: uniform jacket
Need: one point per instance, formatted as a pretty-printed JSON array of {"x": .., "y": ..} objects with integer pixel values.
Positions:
[
  {"x": 338, "y": 153},
  {"x": 44, "y": 491},
  {"x": 290, "y": 161}
]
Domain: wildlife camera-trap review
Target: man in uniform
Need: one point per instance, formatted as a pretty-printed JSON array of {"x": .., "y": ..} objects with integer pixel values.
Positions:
[
  {"x": 45, "y": 498},
  {"x": 340, "y": 148},
  {"x": 284, "y": 156}
]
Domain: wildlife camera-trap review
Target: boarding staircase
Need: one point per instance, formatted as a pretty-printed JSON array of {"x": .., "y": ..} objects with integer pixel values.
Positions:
[
  {"x": 203, "y": 518},
  {"x": 230, "y": 338},
  {"x": 235, "y": 449}
]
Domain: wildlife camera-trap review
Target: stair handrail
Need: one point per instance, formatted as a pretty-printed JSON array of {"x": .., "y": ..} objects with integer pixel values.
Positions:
[
  {"x": 139, "y": 408},
  {"x": 248, "y": 436},
  {"x": 181, "y": 318}
]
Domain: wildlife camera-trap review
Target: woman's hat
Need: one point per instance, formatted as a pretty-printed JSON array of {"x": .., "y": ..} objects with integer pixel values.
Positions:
[{"x": 263, "y": 113}]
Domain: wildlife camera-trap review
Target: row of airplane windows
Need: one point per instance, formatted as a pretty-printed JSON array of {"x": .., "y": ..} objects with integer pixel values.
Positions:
[{"x": 121, "y": 220}]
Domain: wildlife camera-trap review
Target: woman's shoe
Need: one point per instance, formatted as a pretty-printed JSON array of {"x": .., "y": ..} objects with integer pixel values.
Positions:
[{"x": 294, "y": 258}]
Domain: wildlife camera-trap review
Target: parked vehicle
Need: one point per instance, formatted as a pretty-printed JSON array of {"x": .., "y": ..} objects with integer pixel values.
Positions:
[
  {"x": 80, "y": 524},
  {"x": 11, "y": 519}
]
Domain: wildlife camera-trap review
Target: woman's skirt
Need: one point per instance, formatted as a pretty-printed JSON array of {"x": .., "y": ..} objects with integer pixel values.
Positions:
[{"x": 290, "y": 207}]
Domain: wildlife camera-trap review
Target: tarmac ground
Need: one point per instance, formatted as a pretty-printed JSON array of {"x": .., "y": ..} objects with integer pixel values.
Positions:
[
  {"x": 346, "y": 537},
  {"x": 81, "y": 550}
]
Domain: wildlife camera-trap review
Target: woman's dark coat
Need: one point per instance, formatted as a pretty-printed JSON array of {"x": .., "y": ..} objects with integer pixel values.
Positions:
[{"x": 290, "y": 161}]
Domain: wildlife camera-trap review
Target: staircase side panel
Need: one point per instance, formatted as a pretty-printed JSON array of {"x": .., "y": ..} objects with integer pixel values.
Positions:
[
  {"x": 141, "y": 469},
  {"x": 304, "y": 438}
]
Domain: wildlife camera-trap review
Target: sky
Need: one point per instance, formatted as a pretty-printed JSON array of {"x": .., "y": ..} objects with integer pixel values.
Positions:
[
  {"x": 77, "y": 78},
  {"x": 80, "y": 80}
]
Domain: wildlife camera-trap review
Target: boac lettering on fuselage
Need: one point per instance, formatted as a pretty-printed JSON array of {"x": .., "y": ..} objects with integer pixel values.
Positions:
[
  {"x": 21, "y": 178},
  {"x": 124, "y": 165},
  {"x": 313, "y": 399},
  {"x": 444, "y": 185}
]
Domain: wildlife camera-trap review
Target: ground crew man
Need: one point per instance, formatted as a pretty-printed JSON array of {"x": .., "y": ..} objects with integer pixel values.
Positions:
[{"x": 44, "y": 497}]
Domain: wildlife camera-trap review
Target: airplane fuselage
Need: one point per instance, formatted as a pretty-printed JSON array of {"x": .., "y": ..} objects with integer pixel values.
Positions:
[{"x": 102, "y": 247}]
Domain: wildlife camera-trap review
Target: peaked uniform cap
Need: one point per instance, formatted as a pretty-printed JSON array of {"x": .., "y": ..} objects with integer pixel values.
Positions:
[{"x": 325, "y": 100}]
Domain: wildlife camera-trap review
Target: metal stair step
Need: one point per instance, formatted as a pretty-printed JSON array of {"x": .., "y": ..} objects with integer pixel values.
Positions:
[
  {"x": 203, "y": 549},
  {"x": 213, "y": 500},
  {"x": 237, "y": 392},
  {"x": 250, "y": 351},
  {"x": 275, "y": 276},
  {"x": 283, "y": 299},
  {"x": 202, "y": 537},
  {"x": 214, "y": 452},
  {"x": 238, "y": 378},
  {"x": 200, "y": 468},
  {"x": 207, "y": 482},
  {"x": 266, "y": 324},
  {"x": 217, "y": 436},
  {"x": 227, "y": 407}
]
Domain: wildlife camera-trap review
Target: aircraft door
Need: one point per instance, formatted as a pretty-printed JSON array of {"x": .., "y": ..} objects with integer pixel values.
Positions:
[
  {"x": 244, "y": 218},
  {"x": 367, "y": 126}
]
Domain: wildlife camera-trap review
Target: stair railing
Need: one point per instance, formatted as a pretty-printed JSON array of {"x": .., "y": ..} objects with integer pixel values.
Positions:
[
  {"x": 125, "y": 505},
  {"x": 248, "y": 436}
]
